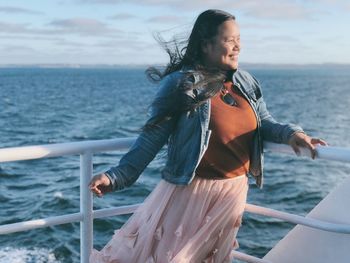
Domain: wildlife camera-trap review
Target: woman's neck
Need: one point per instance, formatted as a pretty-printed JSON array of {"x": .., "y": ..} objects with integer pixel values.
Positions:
[{"x": 229, "y": 74}]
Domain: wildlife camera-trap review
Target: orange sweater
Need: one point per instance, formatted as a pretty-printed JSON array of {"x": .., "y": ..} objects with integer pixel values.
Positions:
[{"x": 230, "y": 143}]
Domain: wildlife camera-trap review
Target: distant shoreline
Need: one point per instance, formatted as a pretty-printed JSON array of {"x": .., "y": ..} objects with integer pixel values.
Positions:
[{"x": 116, "y": 66}]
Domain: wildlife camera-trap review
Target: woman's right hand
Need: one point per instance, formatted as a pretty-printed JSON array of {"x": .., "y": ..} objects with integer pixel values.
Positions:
[{"x": 100, "y": 184}]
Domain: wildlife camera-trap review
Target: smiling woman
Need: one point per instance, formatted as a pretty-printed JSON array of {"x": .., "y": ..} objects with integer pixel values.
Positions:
[
  {"x": 223, "y": 50},
  {"x": 213, "y": 117}
]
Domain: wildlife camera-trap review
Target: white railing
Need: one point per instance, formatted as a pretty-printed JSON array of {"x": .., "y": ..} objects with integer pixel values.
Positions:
[{"x": 86, "y": 150}]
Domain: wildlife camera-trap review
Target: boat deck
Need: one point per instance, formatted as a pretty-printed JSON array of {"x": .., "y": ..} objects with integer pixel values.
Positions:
[{"x": 305, "y": 244}]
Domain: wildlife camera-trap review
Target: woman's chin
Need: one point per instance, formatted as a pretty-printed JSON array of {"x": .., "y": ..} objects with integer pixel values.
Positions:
[
  {"x": 231, "y": 66},
  {"x": 234, "y": 65}
]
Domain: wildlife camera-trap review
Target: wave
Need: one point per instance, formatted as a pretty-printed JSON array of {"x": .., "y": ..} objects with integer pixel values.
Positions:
[{"x": 24, "y": 255}]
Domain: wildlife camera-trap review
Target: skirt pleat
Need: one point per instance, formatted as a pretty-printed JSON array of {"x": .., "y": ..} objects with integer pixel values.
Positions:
[{"x": 193, "y": 223}]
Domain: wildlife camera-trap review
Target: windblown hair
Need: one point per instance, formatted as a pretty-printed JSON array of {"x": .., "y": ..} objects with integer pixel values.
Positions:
[{"x": 189, "y": 54}]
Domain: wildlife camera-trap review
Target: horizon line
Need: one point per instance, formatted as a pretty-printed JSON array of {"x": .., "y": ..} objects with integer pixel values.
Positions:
[{"x": 106, "y": 65}]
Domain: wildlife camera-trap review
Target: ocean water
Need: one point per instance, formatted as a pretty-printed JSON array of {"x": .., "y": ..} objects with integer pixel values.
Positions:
[{"x": 42, "y": 106}]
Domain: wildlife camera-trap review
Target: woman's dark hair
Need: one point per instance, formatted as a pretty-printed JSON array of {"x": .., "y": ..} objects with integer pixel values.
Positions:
[{"x": 189, "y": 54}]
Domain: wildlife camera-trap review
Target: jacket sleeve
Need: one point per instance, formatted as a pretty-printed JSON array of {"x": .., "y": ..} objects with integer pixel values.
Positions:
[
  {"x": 271, "y": 130},
  {"x": 147, "y": 144}
]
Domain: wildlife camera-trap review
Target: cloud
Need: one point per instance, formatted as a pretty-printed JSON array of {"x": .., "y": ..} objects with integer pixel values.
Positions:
[
  {"x": 279, "y": 10},
  {"x": 270, "y": 9},
  {"x": 170, "y": 19},
  {"x": 18, "y": 10},
  {"x": 281, "y": 38},
  {"x": 68, "y": 43},
  {"x": 267, "y": 9},
  {"x": 17, "y": 49},
  {"x": 256, "y": 26},
  {"x": 101, "y": 1},
  {"x": 333, "y": 3},
  {"x": 25, "y": 29},
  {"x": 14, "y": 28},
  {"x": 84, "y": 26},
  {"x": 123, "y": 44},
  {"x": 122, "y": 16},
  {"x": 75, "y": 26},
  {"x": 29, "y": 37},
  {"x": 339, "y": 4},
  {"x": 179, "y": 4}
]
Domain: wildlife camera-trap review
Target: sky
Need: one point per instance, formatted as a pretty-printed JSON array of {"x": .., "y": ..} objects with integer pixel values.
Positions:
[{"x": 122, "y": 32}]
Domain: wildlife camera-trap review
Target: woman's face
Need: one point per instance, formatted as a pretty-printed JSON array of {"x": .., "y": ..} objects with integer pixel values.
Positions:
[{"x": 223, "y": 50}]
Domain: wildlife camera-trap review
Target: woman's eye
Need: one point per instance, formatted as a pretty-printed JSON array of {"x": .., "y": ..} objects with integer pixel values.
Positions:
[{"x": 232, "y": 40}]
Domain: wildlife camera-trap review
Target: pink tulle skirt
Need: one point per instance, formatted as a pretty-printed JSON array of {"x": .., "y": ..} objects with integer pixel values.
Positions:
[{"x": 194, "y": 223}]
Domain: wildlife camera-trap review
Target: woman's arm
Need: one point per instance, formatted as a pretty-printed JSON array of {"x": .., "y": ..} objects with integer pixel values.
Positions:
[
  {"x": 142, "y": 152},
  {"x": 274, "y": 131},
  {"x": 291, "y": 134}
]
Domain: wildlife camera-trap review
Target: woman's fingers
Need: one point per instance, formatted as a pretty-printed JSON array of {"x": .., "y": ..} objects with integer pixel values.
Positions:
[
  {"x": 94, "y": 187},
  {"x": 303, "y": 140},
  {"x": 100, "y": 184},
  {"x": 296, "y": 149},
  {"x": 311, "y": 147},
  {"x": 319, "y": 141},
  {"x": 305, "y": 144}
]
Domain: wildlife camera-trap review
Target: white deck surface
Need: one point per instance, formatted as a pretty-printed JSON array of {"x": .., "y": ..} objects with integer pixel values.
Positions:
[{"x": 306, "y": 245}]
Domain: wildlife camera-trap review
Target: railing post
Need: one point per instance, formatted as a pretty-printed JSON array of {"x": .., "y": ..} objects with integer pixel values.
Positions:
[{"x": 86, "y": 225}]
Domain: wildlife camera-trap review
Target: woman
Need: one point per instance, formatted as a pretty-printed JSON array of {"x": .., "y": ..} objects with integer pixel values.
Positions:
[{"x": 213, "y": 117}]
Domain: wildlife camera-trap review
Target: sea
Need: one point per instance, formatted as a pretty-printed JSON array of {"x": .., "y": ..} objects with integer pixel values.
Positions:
[{"x": 59, "y": 105}]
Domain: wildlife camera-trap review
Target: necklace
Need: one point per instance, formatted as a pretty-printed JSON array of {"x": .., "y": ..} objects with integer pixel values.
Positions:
[{"x": 227, "y": 97}]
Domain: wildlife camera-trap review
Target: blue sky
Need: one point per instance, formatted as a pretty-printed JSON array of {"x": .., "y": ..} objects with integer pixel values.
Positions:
[{"x": 121, "y": 32}]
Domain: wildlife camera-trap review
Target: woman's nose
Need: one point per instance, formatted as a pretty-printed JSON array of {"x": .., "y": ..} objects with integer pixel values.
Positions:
[{"x": 237, "y": 45}]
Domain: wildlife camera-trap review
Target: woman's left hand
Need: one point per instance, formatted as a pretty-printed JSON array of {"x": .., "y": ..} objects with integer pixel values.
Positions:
[{"x": 300, "y": 139}]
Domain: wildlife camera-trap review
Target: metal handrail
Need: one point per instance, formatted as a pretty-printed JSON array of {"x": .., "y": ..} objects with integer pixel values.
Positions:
[
  {"x": 122, "y": 210},
  {"x": 332, "y": 153},
  {"x": 54, "y": 150},
  {"x": 299, "y": 220},
  {"x": 60, "y": 149},
  {"x": 86, "y": 215}
]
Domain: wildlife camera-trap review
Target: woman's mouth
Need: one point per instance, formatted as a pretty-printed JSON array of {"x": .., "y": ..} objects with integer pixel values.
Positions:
[{"x": 234, "y": 56}]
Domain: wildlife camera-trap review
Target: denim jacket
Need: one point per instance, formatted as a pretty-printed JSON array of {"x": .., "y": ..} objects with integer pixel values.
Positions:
[{"x": 188, "y": 135}]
